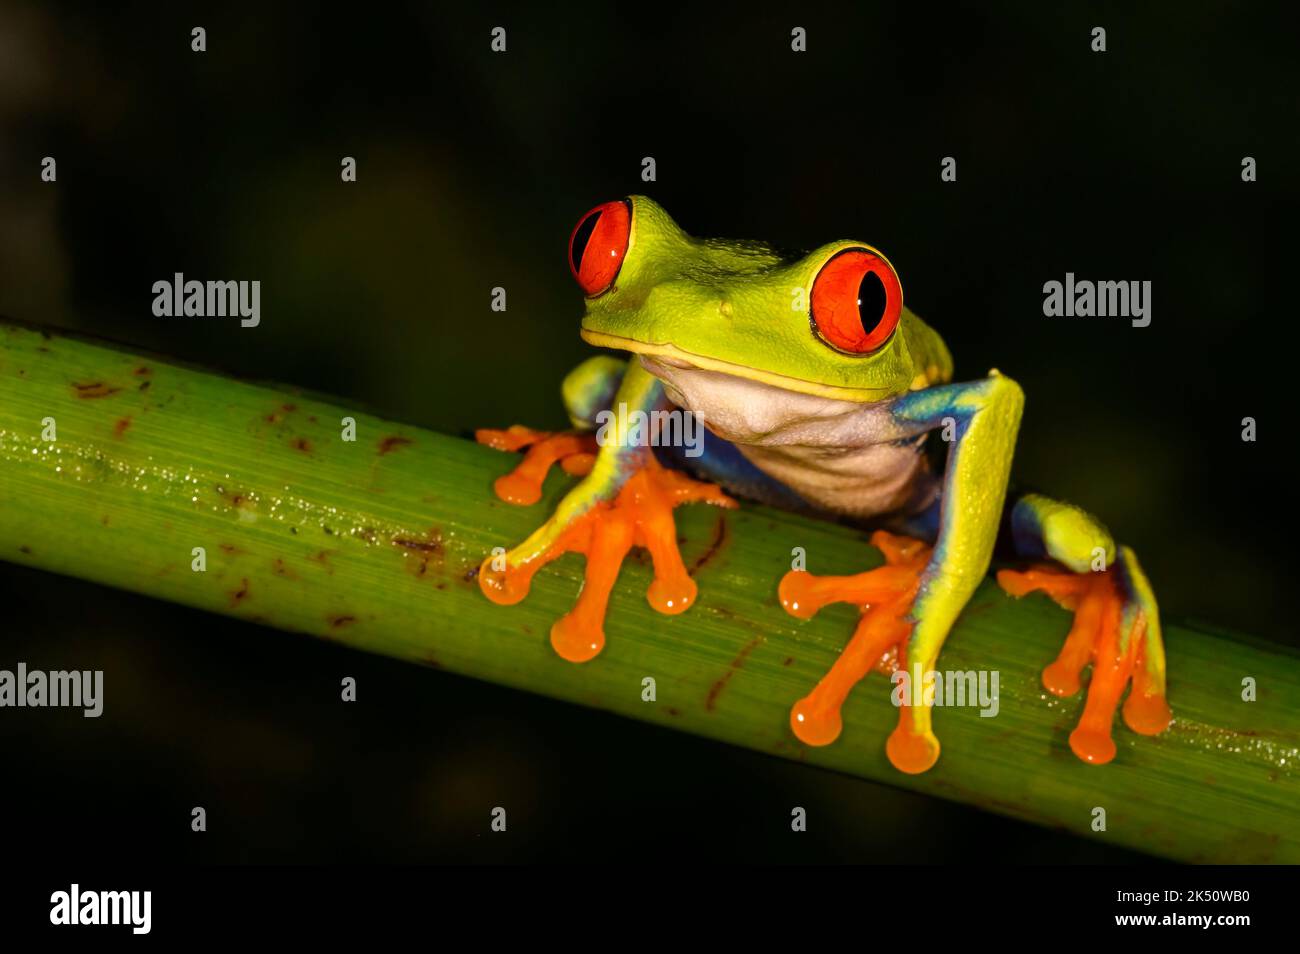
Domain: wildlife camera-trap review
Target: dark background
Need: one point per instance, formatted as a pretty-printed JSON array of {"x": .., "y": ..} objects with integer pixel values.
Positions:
[{"x": 472, "y": 169}]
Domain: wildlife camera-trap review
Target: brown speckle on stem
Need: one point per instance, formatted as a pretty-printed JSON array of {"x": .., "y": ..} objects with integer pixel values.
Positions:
[
  {"x": 715, "y": 545},
  {"x": 93, "y": 389},
  {"x": 426, "y": 551},
  {"x": 277, "y": 415},
  {"x": 711, "y": 701},
  {"x": 279, "y": 568},
  {"x": 425, "y": 546}
]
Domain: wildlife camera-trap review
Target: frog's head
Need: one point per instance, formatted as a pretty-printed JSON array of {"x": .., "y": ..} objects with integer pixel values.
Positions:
[{"x": 830, "y": 323}]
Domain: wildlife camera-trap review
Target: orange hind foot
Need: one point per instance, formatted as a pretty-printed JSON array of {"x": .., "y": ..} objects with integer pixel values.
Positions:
[{"x": 1118, "y": 633}]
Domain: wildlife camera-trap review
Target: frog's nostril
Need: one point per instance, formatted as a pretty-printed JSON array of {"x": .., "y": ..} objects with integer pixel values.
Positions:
[{"x": 724, "y": 308}]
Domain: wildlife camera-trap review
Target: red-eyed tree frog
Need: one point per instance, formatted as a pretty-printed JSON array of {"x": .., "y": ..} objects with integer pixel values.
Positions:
[{"x": 817, "y": 389}]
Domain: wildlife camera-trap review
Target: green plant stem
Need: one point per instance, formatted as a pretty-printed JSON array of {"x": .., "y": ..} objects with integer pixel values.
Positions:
[{"x": 374, "y": 542}]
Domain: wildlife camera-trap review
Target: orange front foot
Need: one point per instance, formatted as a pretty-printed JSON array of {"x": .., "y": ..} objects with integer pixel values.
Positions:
[
  {"x": 885, "y": 595},
  {"x": 641, "y": 514},
  {"x": 575, "y": 452},
  {"x": 1111, "y": 631}
]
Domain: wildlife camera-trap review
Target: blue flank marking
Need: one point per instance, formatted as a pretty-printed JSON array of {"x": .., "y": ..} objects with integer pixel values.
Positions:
[
  {"x": 1027, "y": 532},
  {"x": 924, "y": 525},
  {"x": 722, "y": 463}
]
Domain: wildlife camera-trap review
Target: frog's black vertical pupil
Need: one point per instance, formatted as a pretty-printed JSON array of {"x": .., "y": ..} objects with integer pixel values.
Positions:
[
  {"x": 581, "y": 237},
  {"x": 871, "y": 301}
]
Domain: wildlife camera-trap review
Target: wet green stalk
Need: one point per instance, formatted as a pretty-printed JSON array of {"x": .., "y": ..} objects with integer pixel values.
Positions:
[{"x": 372, "y": 543}]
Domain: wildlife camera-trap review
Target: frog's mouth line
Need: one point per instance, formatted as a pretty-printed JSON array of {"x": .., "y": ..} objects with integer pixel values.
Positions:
[{"x": 671, "y": 354}]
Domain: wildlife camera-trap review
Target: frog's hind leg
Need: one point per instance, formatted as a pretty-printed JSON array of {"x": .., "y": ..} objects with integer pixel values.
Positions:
[{"x": 1116, "y": 620}]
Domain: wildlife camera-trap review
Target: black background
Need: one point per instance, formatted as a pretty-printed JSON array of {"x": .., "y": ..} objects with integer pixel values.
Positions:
[{"x": 472, "y": 169}]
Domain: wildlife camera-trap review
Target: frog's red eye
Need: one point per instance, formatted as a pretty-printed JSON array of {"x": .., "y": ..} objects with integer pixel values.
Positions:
[
  {"x": 856, "y": 301},
  {"x": 598, "y": 244}
]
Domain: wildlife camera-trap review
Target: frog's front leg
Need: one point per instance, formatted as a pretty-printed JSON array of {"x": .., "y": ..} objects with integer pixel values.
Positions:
[
  {"x": 1116, "y": 620},
  {"x": 626, "y": 499},
  {"x": 910, "y": 604},
  {"x": 587, "y": 390}
]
